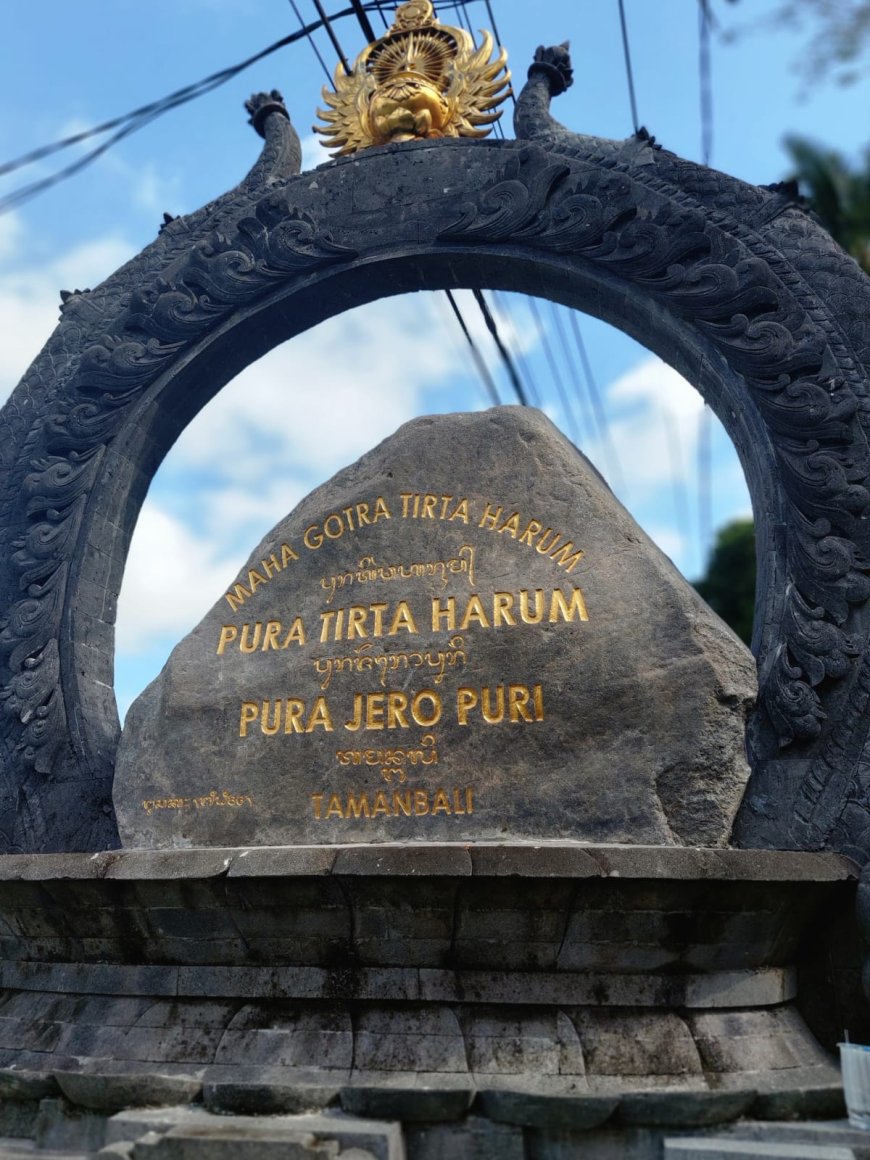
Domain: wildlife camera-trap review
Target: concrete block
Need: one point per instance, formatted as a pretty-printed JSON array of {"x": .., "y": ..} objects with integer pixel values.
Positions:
[{"x": 690, "y": 1148}]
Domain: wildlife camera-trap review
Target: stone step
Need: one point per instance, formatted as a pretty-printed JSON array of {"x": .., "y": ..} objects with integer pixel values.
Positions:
[{"x": 697, "y": 1148}]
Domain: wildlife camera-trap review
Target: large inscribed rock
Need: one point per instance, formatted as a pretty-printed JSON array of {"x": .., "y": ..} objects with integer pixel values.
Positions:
[{"x": 462, "y": 636}]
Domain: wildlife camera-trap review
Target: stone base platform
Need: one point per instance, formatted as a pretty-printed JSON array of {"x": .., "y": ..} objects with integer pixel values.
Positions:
[{"x": 473, "y": 1001}]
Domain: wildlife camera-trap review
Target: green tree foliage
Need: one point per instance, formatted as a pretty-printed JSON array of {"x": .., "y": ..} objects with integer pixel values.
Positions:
[
  {"x": 729, "y": 583},
  {"x": 839, "y": 194}
]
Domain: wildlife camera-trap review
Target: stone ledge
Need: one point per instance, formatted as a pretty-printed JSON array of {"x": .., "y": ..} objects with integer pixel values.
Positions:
[
  {"x": 485, "y": 859},
  {"x": 704, "y": 991}
]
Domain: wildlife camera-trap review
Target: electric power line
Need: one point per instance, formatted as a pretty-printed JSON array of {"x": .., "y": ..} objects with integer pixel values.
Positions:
[
  {"x": 628, "y": 70},
  {"x": 479, "y": 361},
  {"x": 705, "y": 84}
]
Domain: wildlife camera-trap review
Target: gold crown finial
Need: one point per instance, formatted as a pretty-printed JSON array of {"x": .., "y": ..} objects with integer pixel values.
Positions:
[{"x": 422, "y": 79}]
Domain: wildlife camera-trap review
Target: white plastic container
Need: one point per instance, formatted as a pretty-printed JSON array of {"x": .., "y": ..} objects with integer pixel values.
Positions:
[{"x": 855, "y": 1062}]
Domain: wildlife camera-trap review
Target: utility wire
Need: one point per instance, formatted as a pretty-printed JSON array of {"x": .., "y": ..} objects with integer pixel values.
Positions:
[
  {"x": 574, "y": 374},
  {"x": 504, "y": 308},
  {"x": 705, "y": 84},
  {"x": 614, "y": 466},
  {"x": 479, "y": 361},
  {"x": 313, "y": 43},
  {"x": 628, "y": 70},
  {"x": 570, "y": 419},
  {"x": 502, "y": 349},
  {"x": 364, "y": 22},
  {"x": 330, "y": 32}
]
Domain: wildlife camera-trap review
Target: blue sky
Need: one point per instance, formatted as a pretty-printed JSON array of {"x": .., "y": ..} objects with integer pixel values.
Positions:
[{"x": 256, "y": 450}]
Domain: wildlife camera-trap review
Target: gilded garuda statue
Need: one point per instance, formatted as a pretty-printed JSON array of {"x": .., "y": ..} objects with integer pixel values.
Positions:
[{"x": 421, "y": 79}]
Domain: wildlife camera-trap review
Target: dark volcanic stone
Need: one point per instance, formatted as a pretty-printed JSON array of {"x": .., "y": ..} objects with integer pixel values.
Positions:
[{"x": 462, "y": 636}]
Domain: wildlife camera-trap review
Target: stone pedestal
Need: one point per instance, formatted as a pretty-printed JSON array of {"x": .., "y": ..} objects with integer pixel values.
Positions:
[{"x": 513, "y": 993}]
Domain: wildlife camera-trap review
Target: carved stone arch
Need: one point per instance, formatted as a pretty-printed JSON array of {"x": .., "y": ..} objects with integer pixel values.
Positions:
[{"x": 730, "y": 283}]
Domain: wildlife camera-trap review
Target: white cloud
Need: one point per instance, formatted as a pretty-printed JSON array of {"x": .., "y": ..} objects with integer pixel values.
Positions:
[
  {"x": 30, "y": 293},
  {"x": 655, "y": 430},
  {"x": 314, "y": 152},
  {"x": 173, "y": 578}
]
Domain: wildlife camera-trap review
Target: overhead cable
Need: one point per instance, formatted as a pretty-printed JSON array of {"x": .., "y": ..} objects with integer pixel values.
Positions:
[
  {"x": 628, "y": 69},
  {"x": 510, "y": 367},
  {"x": 479, "y": 361},
  {"x": 504, "y": 308},
  {"x": 705, "y": 83},
  {"x": 313, "y": 43},
  {"x": 614, "y": 466},
  {"x": 570, "y": 419}
]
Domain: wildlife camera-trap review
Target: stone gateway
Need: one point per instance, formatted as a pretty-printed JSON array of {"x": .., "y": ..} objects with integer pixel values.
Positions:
[{"x": 462, "y": 636}]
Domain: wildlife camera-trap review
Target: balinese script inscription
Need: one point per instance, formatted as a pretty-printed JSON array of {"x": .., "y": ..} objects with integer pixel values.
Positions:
[
  {"x": 357, "y": 517},
  {"x": 224, "y": 798}
]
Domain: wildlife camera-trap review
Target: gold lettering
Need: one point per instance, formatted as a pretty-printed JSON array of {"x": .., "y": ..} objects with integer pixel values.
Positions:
[
  {"x": 457, "y": 808},
  {"x": 255, "y": 580},
  {"x": 460, "y": 512},
  {"x": 375, "y": 711},
  {"x": 525, "y": 614},
  {"x": 402, "y": 619},
  {"x": 445, "y": 500},
  {"x": 356, "y": 621},
  {"x": 439, "y": 612},
  {"x": 429, "y": 503},
  {"x": 333, "y": 809},
  {"x": 359, "y": 807},
  {"x": 317, "y": 799},
  {"x": 293, "y": 715},
  {"x": 245, "y": 644},
  {"x": 421, "y": 802},
  {"x": 297, "y": 633},
  {"x": 502, "y": 603},
  {"x": 466, "y": 700},
  {"x": 401, "y": 803},
  {"x": 229, "y": 632},
  {"x": 312, "y": 537},
  {"x": 287, "y": 554},
  {"x": 319, "y": 717},
  {"x": 492, "y": 716},
  {"x": 474, "y": 611},
  {"x": 417, "y": 708},
  {"x": 362, "y": 514},
  {"x": 356, "y": 721},
  {"x": 559, "y": 606},
  {"x": 270, "y": 637},
  {"x": 337, "y": 526},
  {"x": 268, "y": 567},
  {"x": 406, "y": 497},
  {"x": 382, "y": 512},
  {"x": 532, "y": 529},
  {"x": 544, "y": 545},
  {"x": 381, "y": 805},
  {"x": 241, "y": 594},
  {"x": 569, "y": 563},
  {"x": 397, "y": 711},
  {"x": 538, "y": 695},
  {"x": 511, "y": 525},
  {"x": 270, "y": 728},
  {"x": 249, "y": 713},
  {"x": 518, "y": 698},
  {"x": 490, "y": 517},
  {"x": 469, "y": 800},
  {"x": 441, "y": 804},
  {"x": 378, "y": 611}
]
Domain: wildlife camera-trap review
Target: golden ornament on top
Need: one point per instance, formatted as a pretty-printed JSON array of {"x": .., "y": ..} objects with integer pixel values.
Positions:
[{"x": 421, "y": 79}]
